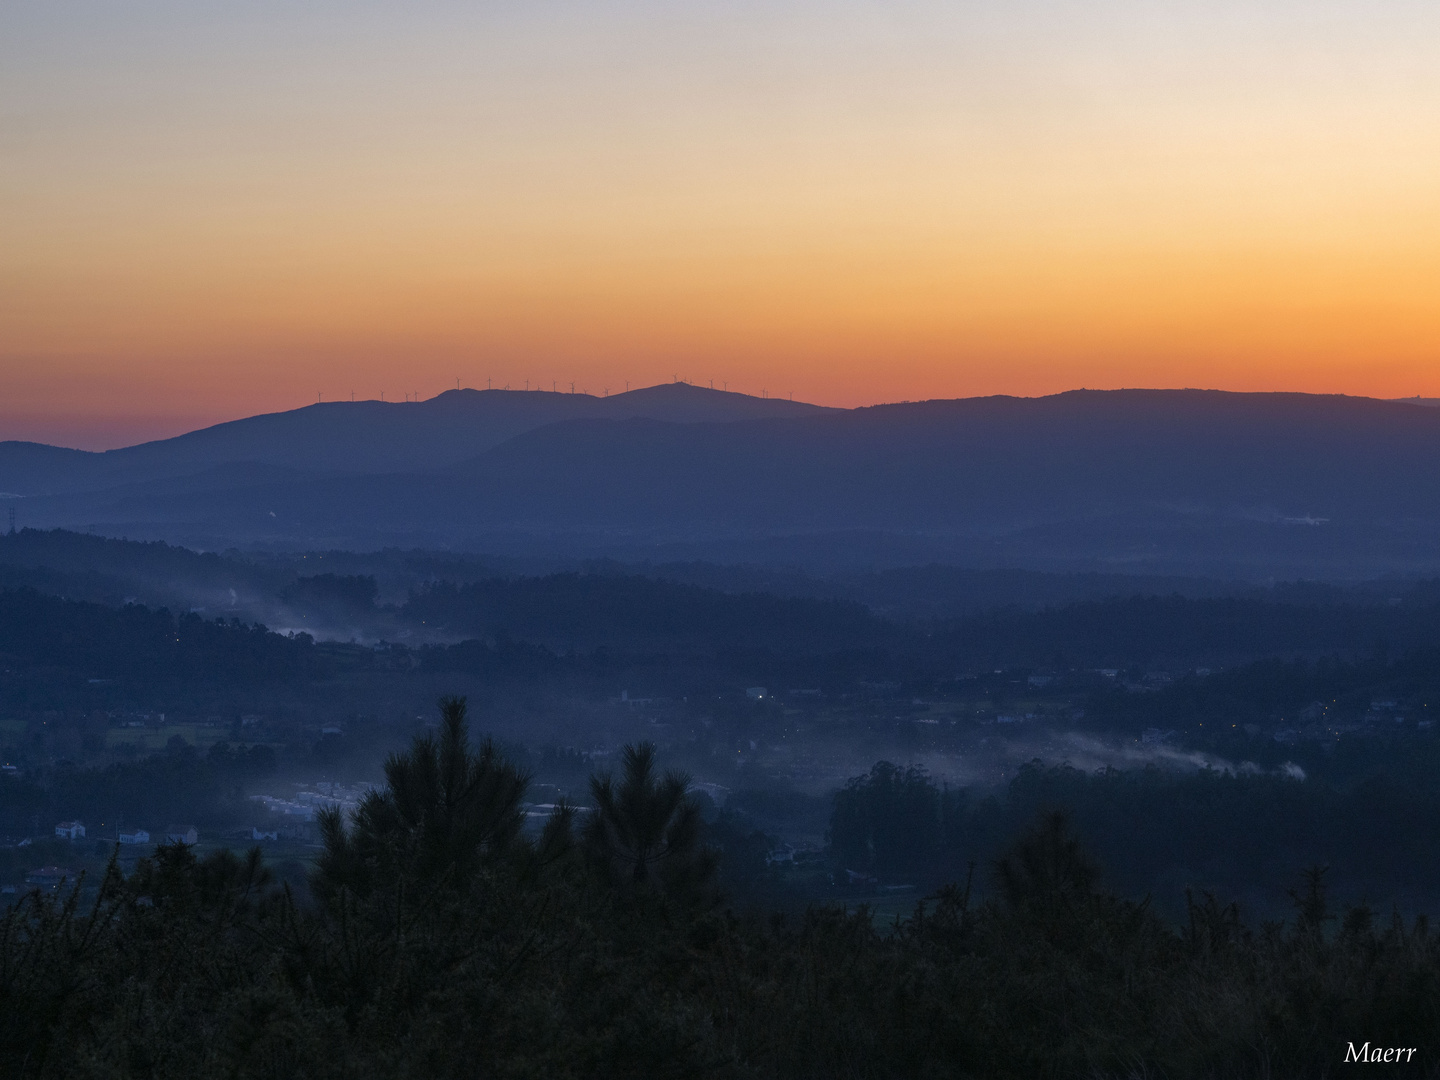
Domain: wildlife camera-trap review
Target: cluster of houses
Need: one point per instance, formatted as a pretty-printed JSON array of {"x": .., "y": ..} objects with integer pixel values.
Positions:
[
  {"x": 308, "y": 803},
  {"x": 293, "y": 817},
  {"x": 52, "y": 877},
  {"x": 174, "y": 834}
]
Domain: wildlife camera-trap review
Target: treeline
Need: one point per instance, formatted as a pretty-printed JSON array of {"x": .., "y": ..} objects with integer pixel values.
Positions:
[
  {"x": 138, "y": 645},
  {"x": 347, "y": 593},
  {"x": 67, "y": 552},
  {"x": 722, "y": 610},
  {"x": 583, "y": 611},
  {"x": 603, "y": 631},
  {"x": 1162, "y": 832},
  {"x": 178, "y": 785},
  {"x": 443, "y": 941},
  {"x": 1298, "y": 693},
  {"x": 76, "y": 655},
  {"x": 108, "y": 570},
  {"x": 1183, "y": 632}
]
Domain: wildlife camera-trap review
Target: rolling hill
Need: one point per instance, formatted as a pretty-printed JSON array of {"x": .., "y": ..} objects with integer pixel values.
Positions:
[
  {"x": 346, "y": 438},
  {"x": 1140, "y": 481}
]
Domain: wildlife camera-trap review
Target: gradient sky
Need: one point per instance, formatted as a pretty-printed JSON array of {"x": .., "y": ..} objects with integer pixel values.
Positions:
[{"x": 209, "y": 210}]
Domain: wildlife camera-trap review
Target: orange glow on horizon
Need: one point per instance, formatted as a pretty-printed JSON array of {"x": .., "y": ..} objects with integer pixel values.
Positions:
[{"x": 845, "y": 205}]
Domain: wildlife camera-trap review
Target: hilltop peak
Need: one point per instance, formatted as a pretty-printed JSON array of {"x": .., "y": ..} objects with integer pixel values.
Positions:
[
  {"x": 344, "y": 437},
  {"x": 688, "y": 402}
]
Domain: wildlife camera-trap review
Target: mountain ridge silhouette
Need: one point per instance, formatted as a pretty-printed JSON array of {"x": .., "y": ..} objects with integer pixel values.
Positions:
[{"x": 1230, "y": 482}]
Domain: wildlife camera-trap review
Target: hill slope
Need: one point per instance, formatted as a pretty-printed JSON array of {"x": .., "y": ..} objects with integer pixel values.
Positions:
[
  {"x": 1145, "y": 481},
  {"x": 346, "y": 437}
]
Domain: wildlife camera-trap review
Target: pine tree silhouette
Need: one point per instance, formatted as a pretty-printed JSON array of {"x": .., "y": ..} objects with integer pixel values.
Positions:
[
  {"x": 645, "y": 830},
  {"x": 445, "y": 811}
]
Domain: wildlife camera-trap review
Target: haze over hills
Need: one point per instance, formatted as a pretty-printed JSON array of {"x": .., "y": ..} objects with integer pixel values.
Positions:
[{"x": 1141, "y": 481}]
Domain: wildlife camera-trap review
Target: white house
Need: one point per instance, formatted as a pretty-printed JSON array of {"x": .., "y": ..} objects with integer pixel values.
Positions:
[
  {"x": 139, "y": 836},
  {"x": 71, "y": 830},
  {"x": 181, "y": 834},
  {"x": 262, "y": 834}
]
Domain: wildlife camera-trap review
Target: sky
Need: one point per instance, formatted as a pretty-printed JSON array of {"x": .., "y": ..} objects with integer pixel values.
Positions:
[{"x": 210, "y": 210}]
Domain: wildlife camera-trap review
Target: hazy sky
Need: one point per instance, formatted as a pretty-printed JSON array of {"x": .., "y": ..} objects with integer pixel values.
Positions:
[{"x": 208, "y": 210}]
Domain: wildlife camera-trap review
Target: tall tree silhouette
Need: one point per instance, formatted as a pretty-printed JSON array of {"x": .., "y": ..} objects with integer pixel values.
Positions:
[
  {"x": 890, "y": 821},
  {"x": 445, "y": 812},
  {"x": 645, "y": 830},
  {"x": 1047, "y": 867}
]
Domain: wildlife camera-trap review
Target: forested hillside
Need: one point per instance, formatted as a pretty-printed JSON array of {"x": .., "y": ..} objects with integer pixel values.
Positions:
[{"x": 444, "y": 941}]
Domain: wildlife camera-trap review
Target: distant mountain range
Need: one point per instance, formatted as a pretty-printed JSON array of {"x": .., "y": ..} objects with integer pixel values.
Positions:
[
  {"x": 347, "y": 438},
  {"x": 1142, "y": 481}
]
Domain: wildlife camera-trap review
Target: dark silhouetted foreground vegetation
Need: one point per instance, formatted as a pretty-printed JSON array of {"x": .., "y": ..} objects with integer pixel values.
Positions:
[
  {"x": 1160, "y": 831},
  {"x": 443, "y": 939}
]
